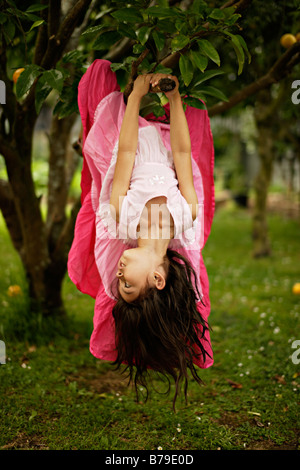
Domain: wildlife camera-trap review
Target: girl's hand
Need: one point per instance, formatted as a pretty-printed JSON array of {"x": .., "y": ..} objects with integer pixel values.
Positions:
[
  {"x": 158, "y": 76},
  {"x": 141, "y": 85}
]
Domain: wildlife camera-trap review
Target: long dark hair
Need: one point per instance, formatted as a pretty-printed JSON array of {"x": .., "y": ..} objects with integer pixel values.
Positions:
[{"x": 162, "y": 330}]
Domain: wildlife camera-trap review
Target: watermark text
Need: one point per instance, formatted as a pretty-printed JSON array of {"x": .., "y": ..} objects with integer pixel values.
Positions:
[
  {"x": 296, "y": 94},
  {"x": 2, "y": 352}
]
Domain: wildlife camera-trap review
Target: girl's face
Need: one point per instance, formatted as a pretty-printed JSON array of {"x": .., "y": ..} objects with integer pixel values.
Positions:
[{"x": 136, "y": 268}]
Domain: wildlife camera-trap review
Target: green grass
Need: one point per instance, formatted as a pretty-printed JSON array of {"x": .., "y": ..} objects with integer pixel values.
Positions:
[{"x": 56, "y": 395}]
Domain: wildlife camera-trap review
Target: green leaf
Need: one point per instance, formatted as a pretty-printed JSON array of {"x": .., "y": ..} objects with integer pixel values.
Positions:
[
  {"x": 36, "y": 24},
  {"x": 143, "y": 34},
  {"x": 125, "y": 65},
  {"x": 199, "y": 60},
  {"x": 68, "y": 102},
  {"x": 195, "y": 103},
  {"x": 158, "y": 110},
  {"x": 130, "y": 15},
  {"x": 186, "y": 69},
  {"x": 15, "y": 12},
  {"x": 238, "y": 50},
  {"x": 36, "y": 7},
  {"x": 126, "y": 31},
  {"x": 245, "y": 47},
  {"x": 160, "y": 12},
  {"x": 161, "y": 69},
  {"x": 106, "y": 40},
  {"x": 233, "y": 19},
  {"x": 9, "y": 31},
  {"x": 26, "y": 79},
  {"x": 138, "y": 48},
  {"x": 208, "y": 49},
  {"x": 103, "y": 13},
  {"x": 217, "y": 14},
  {"x": 73, "y": 56},
  {"x": 118, "y": 66},
  {"x": 229, "y": 11},
  {"x": 198, "y": 6},
  {"x": 212, "y": 91},
  {"x": 197, "y": 94},
  {"x": 159, "y": 39},
  {"x": 179, "y": 42},
  {"x": 41, "y": 93},
  {"x": 166, "y": 26},
  {"x": 207, "y": 76},
  {"x": 54, "y": 78},
  {"x": 94, "y": 29},
  {"x": 180, "y": 24}
]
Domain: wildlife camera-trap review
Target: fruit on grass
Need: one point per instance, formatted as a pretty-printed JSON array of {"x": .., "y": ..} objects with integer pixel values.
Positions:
[
  {"x": 17, "y": 73},
  {"x": 296, "y": 288},
  {"x": 14, "y": 291}
]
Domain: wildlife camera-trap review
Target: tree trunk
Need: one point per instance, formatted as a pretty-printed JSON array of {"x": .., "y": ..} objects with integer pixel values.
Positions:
[
  {"x": 262, "y": 246},
  {"x": 43, "y": 247},
  {"x": 33, "y": 250},
  {"x": 265, "y": 116}
]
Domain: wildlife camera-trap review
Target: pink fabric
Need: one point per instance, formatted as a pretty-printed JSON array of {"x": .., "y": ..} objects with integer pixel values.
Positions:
[{"x": 91, "y": 236}]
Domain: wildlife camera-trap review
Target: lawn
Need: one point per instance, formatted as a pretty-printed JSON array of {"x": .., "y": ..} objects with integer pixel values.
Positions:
[{"x": 56, "y": 395}]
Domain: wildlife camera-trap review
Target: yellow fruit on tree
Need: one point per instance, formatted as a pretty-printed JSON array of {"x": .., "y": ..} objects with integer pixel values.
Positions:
[
  {"x": 296, "y": 288},
  {"x": 297, "y": 37},
  {"x": 287, "y": 40},
  {"x": 16, "y": 74}
]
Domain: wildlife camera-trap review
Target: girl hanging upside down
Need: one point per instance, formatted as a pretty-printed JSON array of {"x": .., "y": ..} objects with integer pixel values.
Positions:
[{"x": 147, "y": 209}]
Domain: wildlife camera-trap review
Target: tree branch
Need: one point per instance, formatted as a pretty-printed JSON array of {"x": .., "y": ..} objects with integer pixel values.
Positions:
[
  {"x": 57, "y": 184},
  {"x": 134, "y": 72},
  {"x": 54, "y": 16},
  {"x": 42, "y": 37},
  {"x": 57, "y": 42},
  {"x": 277, "y": 72}
]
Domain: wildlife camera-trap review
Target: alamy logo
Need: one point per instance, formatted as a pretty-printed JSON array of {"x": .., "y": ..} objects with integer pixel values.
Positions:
[
  {"x": 296, "y": 354},
  {"x": 2, "y": 353},
  {"x": 296, "y": 95},
  {"x": 2, "y": 92}
]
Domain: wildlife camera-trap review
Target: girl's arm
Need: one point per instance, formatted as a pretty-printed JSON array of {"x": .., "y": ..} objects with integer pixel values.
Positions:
[
  {"x": 181, "y": 146},
  {"x": 128, "y": 141}
]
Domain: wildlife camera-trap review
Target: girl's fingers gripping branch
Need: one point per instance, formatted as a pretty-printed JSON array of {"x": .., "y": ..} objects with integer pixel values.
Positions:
[{"x": 142, "y": 84}]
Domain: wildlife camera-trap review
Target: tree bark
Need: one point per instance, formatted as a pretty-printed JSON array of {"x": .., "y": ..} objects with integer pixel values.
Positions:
[{"x": 260, "y": 233}]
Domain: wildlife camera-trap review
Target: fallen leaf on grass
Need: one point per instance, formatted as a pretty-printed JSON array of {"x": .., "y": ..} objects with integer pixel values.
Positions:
[
  {"x": 280, "y": 379},
  {"x": 234, "y": 384},
  {"x": 258, "y": 423}
]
